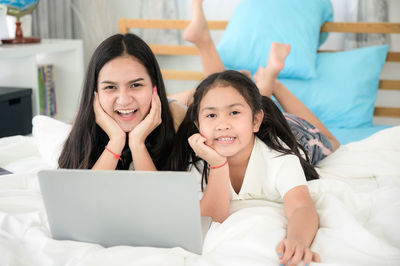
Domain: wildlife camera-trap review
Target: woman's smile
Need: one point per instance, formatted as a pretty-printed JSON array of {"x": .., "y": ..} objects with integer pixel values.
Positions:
[
  {"x": 125, "y": 91},
  {"x": 127, "y": 115}
]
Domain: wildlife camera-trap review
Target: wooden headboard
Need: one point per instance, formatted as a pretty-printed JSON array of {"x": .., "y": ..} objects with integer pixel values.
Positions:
[{"x": 124, "y": 25}]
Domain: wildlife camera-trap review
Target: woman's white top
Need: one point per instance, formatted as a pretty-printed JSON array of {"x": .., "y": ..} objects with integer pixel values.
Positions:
[{"x": 269, "y": 175}]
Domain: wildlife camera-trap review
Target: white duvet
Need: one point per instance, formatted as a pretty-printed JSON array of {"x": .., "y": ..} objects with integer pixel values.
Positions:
[{"x": 357, "y": 199}]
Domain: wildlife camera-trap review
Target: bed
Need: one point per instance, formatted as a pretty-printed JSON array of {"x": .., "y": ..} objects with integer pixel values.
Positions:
[{"x": 357, "y": 197}]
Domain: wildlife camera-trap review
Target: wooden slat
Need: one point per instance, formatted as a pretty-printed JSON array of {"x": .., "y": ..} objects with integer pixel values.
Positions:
[
  {"x": 387, "y": 112},
  {"x": 393, "y": 57},
  {"x": 361, "y": 27},
  {"x": 192, "y": 50},
  {"x": 182, "y": 74},
  {"x": 173, "y": 49},
  {"x": 345, "y": 27},
  {"x": 386, "y": 84},
  {"x": 125, "y": 24},
  {"x": 122, "y": 28}
]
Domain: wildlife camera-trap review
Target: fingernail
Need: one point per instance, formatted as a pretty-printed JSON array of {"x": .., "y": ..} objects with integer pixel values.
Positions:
[
  {"x": 154, "y": 92},
  {"x": 281, "y": 264},
  {"x": 306, "y": 264},
  {"x": 280, "y": 255}
]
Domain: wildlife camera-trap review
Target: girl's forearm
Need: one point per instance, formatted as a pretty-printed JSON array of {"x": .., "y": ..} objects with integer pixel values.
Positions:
[
  {"x": 303, "y": 225},
  {"x": 216, "y": 199}
]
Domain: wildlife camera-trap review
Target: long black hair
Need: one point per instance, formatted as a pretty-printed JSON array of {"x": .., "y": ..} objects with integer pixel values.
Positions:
[
  {"x": 87, "y": 140},
  {"x": 274, "y": 130}
]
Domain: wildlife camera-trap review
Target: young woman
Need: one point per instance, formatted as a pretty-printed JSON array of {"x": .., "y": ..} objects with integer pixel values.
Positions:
[
  {"x": 124, "y": 120},
  {"x": 245, "y": 149}
]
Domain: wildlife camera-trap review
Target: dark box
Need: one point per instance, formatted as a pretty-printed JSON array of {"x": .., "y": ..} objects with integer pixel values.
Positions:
[{"x": 15, "y": 111}]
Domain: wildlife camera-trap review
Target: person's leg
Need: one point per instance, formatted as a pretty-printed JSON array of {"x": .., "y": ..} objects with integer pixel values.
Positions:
[
  {"x": 197, "y": 32},
  {"x": 184, "y": 98},
  {"x": 265, "y": 77},
  {"x": 292, "y": 105},
  {"x": 267, "y": 83}
]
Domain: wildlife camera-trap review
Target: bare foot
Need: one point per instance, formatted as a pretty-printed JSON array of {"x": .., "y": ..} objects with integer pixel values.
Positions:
[
  {"x": 277, "y": 57},
  {"x": 247, "y": 73},
  {"x": 266, "y": 77},
  {"x": 197, "y": 31}
]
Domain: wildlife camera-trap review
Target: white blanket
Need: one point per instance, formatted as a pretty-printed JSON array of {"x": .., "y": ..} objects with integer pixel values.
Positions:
[{"x": 357, "y": 199}]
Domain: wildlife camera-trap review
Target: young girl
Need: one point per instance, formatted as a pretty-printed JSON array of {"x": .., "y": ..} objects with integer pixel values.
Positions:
[
  {"x": 124, "y": 116},
  {"x": 247, "y": 150},
  {"x": 309, "y": 131}
]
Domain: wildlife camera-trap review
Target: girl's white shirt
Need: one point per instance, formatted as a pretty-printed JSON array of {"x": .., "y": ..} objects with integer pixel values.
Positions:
[{"x": 269, "y": 175}]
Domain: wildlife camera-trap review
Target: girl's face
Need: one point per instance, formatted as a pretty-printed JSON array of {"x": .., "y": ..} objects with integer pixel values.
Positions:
[
  {"x": 125, "y": 89},
  {"x": 227, "y": 121}
]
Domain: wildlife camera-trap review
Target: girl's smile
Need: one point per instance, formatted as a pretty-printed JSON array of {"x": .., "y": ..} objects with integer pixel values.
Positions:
[
  {"x": 225, "y": 139},
  {"x": 125, "y": 91}
]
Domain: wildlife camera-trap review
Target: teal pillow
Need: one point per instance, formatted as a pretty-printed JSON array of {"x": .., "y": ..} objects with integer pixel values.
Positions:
[
  {"x": 344, "y": 93},
  {"x": 256, "y": 23}
]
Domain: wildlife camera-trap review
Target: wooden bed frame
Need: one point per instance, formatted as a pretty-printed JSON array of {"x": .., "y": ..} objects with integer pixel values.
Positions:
[{"x": 125, "y": 24}]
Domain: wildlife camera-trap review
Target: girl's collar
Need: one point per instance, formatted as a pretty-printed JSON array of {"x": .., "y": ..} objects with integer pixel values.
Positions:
[{"x": 240, "y": 159}]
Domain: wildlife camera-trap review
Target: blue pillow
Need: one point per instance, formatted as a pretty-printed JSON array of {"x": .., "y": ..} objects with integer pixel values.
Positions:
[
  {"x": 344, "y": 93},
  {"x": 256, "y": 23}
]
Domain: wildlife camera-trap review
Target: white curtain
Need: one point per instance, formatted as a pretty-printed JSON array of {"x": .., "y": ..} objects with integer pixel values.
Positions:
[
  {"x": 367, "y": 11},
  {"x": 97, "y": 20},
  {"x": 160, "y": 9},
  {"x": 54, "y": 19},
  {"x": 94, "y": 20}
]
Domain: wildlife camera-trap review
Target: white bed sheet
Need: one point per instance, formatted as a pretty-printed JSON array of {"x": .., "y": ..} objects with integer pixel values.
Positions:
[{"x": 357, "y": 199}]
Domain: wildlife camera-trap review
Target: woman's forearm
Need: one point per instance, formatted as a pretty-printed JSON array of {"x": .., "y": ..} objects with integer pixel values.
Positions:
[
  {"x": 141, "y": 158},
  {"x": 108, "y": 159}
]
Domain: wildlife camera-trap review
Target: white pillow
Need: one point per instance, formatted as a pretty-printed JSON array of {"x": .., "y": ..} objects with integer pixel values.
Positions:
[{"x": 50, "y": 135}]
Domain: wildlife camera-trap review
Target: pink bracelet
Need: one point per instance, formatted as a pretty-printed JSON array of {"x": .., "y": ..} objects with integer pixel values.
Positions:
[
  {"x": 116, "y": 156},
  {"x": 219, "y": 166}
]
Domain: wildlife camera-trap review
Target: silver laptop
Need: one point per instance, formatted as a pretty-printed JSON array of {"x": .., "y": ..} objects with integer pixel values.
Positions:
[{"x": 158, "y": 209}]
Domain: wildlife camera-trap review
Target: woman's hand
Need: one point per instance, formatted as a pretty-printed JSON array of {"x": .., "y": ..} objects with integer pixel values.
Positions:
[
  {"x": 197, "y": 142},
  {"x": 139, "y": 134},
  {"x": 107, "y": 123},
  {"x": 295, "y": 251}
]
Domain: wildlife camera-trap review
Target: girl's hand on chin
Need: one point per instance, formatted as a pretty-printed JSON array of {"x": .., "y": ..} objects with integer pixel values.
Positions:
[
  {"x": 197, "y": 142},
  {"x": 139, "y": 134},
  {"x": 106, "y": 122}
]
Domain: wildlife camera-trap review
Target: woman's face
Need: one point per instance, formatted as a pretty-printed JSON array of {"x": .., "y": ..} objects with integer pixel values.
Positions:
[{"x": 125, "y": 91}]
